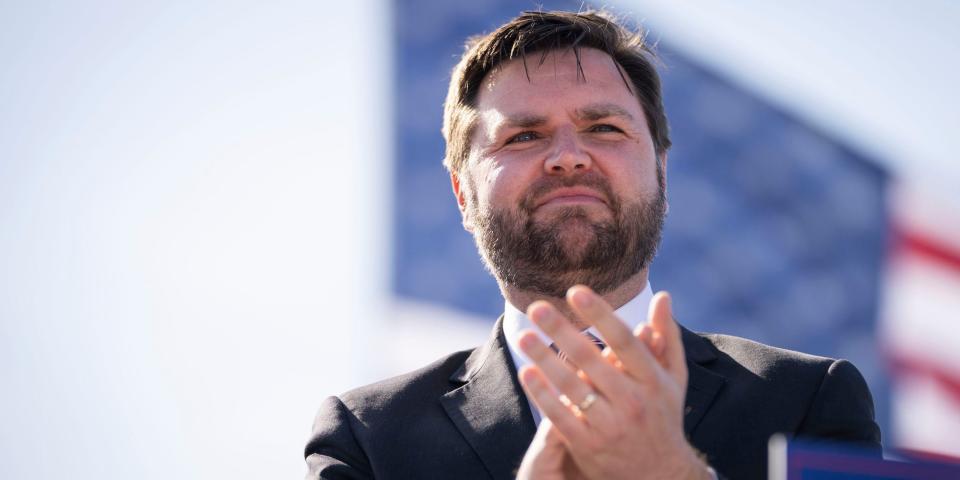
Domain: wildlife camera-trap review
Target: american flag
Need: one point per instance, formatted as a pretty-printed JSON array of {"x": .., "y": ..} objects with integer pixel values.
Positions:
[{"x": 919, "y": 320}]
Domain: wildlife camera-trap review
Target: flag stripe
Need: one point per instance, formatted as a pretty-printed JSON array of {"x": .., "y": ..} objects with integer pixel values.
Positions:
[
  {"x": 911, "y": 242},
  {"x": 906, "y": 365}
]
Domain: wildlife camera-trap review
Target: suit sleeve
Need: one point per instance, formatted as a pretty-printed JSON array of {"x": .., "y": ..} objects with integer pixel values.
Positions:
[
  {"x": 333, "y": 452},
  {"x": 842, "y": 409}
]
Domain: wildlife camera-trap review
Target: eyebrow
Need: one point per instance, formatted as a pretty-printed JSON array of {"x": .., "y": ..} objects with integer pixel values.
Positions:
[
  {"x": 602, "y": 110},
  {"x": 589, "y": 113},
  {"x": 525, "y": 120}
]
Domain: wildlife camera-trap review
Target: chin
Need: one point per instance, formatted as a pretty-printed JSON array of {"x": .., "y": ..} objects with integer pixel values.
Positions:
[{"x": 576, "y": 241}]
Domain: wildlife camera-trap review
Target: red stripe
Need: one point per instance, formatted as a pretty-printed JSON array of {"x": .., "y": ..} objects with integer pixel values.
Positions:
[
  {"x": 924, "y": 246},
  {"x": 907, "y": 366},
  {"x": 924, "y": 455}
]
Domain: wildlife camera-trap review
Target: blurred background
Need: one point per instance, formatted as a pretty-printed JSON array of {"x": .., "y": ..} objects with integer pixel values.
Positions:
[{"x": 215, "y": 214}]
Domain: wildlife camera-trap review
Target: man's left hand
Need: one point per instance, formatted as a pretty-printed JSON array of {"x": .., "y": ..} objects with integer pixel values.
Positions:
[{"x": 619, "y": 413}]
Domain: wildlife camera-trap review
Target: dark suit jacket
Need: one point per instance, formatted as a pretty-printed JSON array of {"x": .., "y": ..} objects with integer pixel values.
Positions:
[{"x": 465, "y": 416}]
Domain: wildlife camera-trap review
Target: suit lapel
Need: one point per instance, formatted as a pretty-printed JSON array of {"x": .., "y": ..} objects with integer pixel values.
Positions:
[
  {"x": 489, "y": 407},
  {"x": 702, "y": 384}
]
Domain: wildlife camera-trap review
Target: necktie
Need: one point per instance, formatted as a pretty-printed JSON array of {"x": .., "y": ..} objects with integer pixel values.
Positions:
[{"x": 596, "y": 341}]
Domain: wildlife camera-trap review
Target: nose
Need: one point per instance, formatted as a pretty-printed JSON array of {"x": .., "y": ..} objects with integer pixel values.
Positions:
[{"x": 567, "y": 156}]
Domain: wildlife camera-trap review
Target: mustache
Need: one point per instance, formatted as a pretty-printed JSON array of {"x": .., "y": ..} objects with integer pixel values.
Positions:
[{"x": 547, "y": 184}]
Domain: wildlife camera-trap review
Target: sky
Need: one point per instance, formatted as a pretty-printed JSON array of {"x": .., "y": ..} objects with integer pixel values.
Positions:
[{"x": 186, "y": 231}]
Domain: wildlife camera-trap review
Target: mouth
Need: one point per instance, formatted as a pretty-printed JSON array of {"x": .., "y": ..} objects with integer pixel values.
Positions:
[{"x": 571, "y": 196}]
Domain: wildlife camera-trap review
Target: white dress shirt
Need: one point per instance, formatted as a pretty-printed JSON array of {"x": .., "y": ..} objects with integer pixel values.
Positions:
[{"x": 632, "y": 313}]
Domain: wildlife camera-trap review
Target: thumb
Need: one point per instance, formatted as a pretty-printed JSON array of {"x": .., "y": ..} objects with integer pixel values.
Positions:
[
  {"x": 548, "y": 437},
  {"x": 545, "y": 456}
]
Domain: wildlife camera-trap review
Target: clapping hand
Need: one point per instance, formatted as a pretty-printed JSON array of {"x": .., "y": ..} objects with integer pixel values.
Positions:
[{"x": 609, "y": 415}]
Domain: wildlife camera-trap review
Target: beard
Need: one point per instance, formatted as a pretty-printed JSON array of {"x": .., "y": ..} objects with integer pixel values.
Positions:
[{"x": 568, "y": 248}]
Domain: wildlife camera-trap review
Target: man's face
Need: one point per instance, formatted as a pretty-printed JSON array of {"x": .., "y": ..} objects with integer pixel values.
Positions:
[{"x": 562, "y": 184}]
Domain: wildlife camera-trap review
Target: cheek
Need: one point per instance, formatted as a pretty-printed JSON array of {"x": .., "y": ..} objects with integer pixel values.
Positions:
[
  {"x": 634, "y": 178},
  {"x": 497, "y": 185}
]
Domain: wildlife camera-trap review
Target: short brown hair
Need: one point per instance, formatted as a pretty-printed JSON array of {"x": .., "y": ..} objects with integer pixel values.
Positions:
[{"x": 542, "y": 32}]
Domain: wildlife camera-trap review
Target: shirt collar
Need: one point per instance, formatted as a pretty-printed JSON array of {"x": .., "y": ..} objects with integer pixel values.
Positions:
[{"x": 631, "y": 313}]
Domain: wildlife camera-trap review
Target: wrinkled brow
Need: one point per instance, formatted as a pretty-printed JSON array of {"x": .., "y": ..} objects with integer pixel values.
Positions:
[
  {"x": 525, "y": 120},
  {"x": 602, "y": 110}
]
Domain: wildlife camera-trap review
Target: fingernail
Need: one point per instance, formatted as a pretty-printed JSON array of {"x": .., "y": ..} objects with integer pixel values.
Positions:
[
  {"x": 666, "y": 297},
  {"x": 540, "y": 314},
  {"x": 526, "y": 342},
  {"x": 528, "y": 377},
  {"x": 580, "y": 298}
]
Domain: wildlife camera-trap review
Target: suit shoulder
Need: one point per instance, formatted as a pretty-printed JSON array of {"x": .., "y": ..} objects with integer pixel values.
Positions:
[
  {"x": 731, "y": 343},
  {"x": 425, "y": 383},
  {"x": 834, "y": 397},
  {"x": 770, "y": 362}
]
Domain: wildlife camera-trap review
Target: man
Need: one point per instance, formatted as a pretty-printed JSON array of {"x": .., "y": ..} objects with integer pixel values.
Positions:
[{"x": 557, "y": 149}]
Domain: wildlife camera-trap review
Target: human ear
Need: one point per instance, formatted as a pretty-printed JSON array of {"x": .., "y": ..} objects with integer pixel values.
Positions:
[
  {"x": 662, "y": 160},
  {"x": 458, "y": 191}
]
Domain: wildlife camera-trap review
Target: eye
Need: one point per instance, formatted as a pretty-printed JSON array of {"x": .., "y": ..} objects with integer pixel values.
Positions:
[
  {"x": 605, "y": 128},
  {"x": 523, "y": 137}
]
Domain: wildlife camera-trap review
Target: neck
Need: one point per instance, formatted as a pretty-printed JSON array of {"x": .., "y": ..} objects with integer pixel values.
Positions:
[{"x": 616, "y": 298}]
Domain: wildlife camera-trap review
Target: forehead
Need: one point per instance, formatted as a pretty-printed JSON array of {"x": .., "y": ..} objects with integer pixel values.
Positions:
[{"x": 556, "y": 76}]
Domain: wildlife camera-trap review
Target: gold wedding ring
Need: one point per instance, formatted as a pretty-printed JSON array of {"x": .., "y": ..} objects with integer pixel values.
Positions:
[{"x": 587, "y": 402}]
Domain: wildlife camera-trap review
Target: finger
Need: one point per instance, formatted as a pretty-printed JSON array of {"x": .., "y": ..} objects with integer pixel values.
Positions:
[
  {"x": 595, "y": 414},
  {"x": 545, "y": 452},
  {"x": 558, "y": 373},
  {"x": 601, "y": 412},
  {"x": 538, "y": 389},
  {"x": 574, "y": 345},
  {"x": 580, "y": 351},
  {"x": 658, "y": 346},
  {"x": 662, "y": 322},
  {"x": 636, "y": 358},
  {"x": 611, "y": 357},
  {"x": 653, "y": 340}
]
